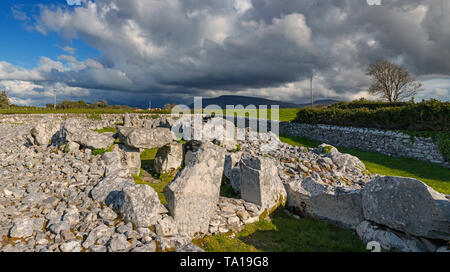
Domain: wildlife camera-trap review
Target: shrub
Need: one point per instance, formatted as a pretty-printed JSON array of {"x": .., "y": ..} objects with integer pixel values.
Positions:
[{"x": 431, "y": 115}]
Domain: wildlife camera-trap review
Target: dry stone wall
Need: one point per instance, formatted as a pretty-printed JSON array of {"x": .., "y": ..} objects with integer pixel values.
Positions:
[{"x": 387, "y": 142}]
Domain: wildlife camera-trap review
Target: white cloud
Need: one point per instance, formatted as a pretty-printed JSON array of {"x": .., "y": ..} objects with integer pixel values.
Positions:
[
  {"x": 69, "y": 50},
  {"x": 178, "y": 48}
]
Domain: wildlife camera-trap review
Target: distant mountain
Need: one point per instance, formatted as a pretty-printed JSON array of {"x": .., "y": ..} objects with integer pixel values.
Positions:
[{"x": 224, "y": 100}]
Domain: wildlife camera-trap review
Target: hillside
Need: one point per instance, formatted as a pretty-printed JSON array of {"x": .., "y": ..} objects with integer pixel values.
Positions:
[{"x": 224, "y": 100}]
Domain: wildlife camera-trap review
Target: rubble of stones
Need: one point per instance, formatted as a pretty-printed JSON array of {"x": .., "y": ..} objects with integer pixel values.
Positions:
[{"x": 55, "y": 195}]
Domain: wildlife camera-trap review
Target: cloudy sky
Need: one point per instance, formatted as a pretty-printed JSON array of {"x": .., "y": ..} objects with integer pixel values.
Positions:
[{"x": 133, "y": 51}]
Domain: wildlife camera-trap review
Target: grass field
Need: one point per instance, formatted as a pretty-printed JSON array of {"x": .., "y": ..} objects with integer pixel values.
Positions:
[
  {"x": 284, "y": 114},
  {"x": 38, "y": 110}
]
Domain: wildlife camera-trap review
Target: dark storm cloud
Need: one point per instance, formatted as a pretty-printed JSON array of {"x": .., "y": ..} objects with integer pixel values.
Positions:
[{"x": 179, "y": 48}]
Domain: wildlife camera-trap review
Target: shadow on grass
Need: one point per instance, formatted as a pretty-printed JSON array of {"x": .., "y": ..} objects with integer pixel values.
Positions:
[
  {"x": 289, "y": 234},
  {"x": 148, "y": 159},
  {"x": 284, "y": 233},
  {"x": 434, "y": 175}
]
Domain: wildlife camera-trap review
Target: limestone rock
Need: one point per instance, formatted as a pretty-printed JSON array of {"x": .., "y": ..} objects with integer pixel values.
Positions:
[
  {"x": 148, "y": 247},
  {"x": 22, "y": 228},
  {"x": 326, "y": 149},
  {"x": 338, "y": 205},
  {"x": 131, "y": 158},
  {"x": 44, "y": 130},
  {"x": 169, "y": 157},
  {"x": 407, "y": 205},
  {"x": 193, "y": 195},
  {"x": 389, "y": 241},
  {"x": 232, "y": 170},
  {"x": 346, "y": 161},
  {"x": 190, "y": 248},
  {"x": 73, "y": 131},
  {"x": 72, "y": 147},
  {"x": 72, "y": 246},
  {"x": 166, "y": 227},
  {"x": 140, "y": 205},
  {"x": 145, "y": 138},
  {"x": 118, "y": 243},
  {"x": 260, "y": 183},
  {"x": 132, "y": 120}
]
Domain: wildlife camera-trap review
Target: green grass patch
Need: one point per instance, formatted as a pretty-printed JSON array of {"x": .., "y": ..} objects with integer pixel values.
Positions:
[
  {"x": 238, "y": 148},
  {"x": 284, "y": 114},
  {"x": 284, "y": 233},
  {"x": 227, "y": 191},
  {"x": 107, "y": 129},
  {"x": 435, "y": 176},
  {"x": 148, "y": 158},
  {"x": 159, "y": 185},
  {"x": 298, "y": 141},
  {"x": 99, "y": 151}
]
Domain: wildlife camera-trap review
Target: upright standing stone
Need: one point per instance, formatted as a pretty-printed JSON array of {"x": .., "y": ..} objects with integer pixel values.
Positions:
[
  {"x": 193, "y": 196},
  {"x": 45, "y": 129},
  {"x": 169, "y": 157},
  {"x": 260, "y": 182},
  {"x": 131, "y": 157},
  {"x": 232, "y": 170}
]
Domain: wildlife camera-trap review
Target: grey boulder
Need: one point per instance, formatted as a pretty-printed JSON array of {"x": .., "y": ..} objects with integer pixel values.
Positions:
[
  {"x": 140, "y": 205},
  {"x": 144, "y": 137},
  {"x": 132, "y": 120},
  {"x": 22, "y": 228},
  {"x": 232, "y": 170},
  {"x": 407, "y": 205},
  {"x": 193, "y": 195},
  {"x": 314, "y": 198},
  {"x": 44, "y": 131},
  {"x": 169, "y": 157},
  {"x": 260, "y": 182},
  {"x": 131, "y": 158},
  {"x": 388, "y": 239},
  {"x": 73, "y": 131}
]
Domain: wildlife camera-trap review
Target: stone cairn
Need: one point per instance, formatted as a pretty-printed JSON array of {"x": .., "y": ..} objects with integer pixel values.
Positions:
[{"x": 55, "y": 195}]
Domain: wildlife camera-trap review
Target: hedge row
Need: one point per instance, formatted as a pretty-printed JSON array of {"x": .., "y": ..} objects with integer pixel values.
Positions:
[
  {"x": 372, "y": 105},
  {"x": 431, "y": 115}
]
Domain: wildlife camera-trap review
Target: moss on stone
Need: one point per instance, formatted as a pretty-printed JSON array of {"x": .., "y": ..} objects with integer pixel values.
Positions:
[{"x": 327, "y": 149}]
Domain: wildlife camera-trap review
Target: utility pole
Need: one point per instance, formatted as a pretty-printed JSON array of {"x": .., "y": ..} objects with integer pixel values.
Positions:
[
  {"x": 54, "y": 104},
  {"x": 311, "y": 85}
]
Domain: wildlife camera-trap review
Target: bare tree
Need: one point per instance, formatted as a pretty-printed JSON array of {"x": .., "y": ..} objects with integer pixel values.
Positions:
[{"x": 392, "y": 81}]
